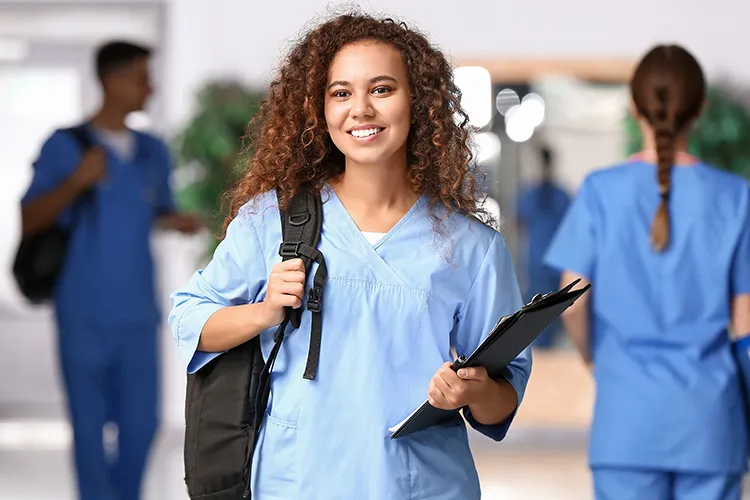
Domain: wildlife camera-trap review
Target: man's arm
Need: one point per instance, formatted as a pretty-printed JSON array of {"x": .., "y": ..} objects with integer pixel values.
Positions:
[
  {"x": 182, "y": 222},
  {"x": 170, "y": 217}
]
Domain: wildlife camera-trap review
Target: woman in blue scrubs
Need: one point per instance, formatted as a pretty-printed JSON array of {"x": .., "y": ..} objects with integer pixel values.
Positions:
[
  {"x": 364, "y": 109},
  {"x": 665, "y": 240}
]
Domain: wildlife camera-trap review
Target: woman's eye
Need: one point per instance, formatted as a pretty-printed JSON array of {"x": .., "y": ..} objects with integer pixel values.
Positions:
[
  {"x": 340, "y": 94},
  {"x": 381, "y": 90}
]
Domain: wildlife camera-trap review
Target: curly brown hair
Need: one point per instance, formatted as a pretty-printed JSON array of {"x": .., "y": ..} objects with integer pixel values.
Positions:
[{"x": 289, "y": 140}]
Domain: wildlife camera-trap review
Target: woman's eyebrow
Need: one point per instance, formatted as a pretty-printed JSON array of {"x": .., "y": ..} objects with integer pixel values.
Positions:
[{"x": 377, "y": 79}]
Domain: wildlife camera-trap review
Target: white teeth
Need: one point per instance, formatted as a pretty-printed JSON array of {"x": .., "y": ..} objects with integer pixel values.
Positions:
[{"x": 365, "y": 132}]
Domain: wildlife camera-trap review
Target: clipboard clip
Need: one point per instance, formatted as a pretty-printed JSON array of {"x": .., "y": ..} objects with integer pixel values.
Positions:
[
  {"x": 570, "y": 285},
  {"x": 458, "y": 363},
  {"x": 567, "y": 288}
]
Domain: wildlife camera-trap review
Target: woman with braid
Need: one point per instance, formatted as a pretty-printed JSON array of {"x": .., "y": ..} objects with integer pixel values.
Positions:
[{"x": 665, "y": 241}]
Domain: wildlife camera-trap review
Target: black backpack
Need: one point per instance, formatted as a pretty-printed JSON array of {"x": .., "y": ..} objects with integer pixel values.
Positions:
[
  {"x": 227, "y": 399},
  {"x": 41, "y": 256}
]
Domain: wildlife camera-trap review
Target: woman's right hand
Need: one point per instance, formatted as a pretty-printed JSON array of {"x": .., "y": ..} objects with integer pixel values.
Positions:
[{"x": 286, "y": 287}]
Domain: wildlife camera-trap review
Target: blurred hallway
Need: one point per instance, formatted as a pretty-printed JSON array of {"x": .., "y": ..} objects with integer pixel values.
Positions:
[
  {"x": 521, "y": 468},
  {"x": 507, "y": 471}
]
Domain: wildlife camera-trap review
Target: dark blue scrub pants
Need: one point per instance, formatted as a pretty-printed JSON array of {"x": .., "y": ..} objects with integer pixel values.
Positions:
[
  {"x": 645, "y": 484},
  {"x": 110, "y": 374}
]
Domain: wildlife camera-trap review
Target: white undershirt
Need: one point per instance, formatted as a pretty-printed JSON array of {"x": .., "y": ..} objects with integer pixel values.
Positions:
[
  {"x": 121, "y": 142},
  {"x": 372, "y": 237},
  {"x": 490, "y": 205}
]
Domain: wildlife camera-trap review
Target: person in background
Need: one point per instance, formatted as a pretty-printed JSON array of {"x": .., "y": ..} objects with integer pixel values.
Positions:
[
  {"x": 539, "y": 210},
  {"x": 110, "y": 197},
  {"x": 664, "y": 239}
]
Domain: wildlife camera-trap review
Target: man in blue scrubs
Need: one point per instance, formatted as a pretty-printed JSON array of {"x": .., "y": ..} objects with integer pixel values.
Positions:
[
  {"x": 539, "y": 211},
  {"x": 110, "y": 197}
]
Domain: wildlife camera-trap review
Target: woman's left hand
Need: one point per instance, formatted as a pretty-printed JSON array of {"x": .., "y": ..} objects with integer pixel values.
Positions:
[{"x": 450, "y": 390}]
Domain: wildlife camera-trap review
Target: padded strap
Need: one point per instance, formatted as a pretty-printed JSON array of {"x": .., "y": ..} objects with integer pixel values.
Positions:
[
  {"x": 82, "y": 136},
  {"x": 315, "y": 305},
  {"x": 301, "y": 235}
]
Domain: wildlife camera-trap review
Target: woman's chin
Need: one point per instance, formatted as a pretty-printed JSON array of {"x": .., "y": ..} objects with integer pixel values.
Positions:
[{"x": 373, "y": 158}]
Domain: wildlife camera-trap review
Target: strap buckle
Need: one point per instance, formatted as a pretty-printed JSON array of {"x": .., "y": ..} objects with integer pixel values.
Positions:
[
  {"x": 299, "y": 219},
  {"x": 314, "y": 299},
  {"x": 289, "y": 249}
]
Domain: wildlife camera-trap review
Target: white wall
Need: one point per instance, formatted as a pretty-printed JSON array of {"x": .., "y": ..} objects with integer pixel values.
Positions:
[{"x": 244, "y": 38}]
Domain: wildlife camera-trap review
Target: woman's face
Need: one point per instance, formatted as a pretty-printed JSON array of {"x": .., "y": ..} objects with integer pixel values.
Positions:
[{"x": 368, "y": 103}]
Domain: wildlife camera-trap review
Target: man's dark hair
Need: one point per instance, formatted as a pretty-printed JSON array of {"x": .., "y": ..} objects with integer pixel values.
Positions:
[
  {"x": 547, "y": 157},
  {"x": 116, "y": 54}
]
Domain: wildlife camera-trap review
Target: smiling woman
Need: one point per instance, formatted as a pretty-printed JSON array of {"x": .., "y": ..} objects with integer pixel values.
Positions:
[
  {"x": 368, "y": 117},
  {"x": 363, "y": 111},
  {"x": 365, "y": 84}
]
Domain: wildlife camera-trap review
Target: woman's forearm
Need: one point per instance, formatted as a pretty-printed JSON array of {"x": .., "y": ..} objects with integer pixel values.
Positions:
[
  {"x": 576, "y": 318},
  {"x": 741, "y": 315},
  {"x": 234, "y": 325},
  {"x": 499, "y": 403}
]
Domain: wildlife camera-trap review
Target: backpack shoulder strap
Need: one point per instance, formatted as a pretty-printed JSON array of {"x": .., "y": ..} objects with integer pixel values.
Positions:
[
  {"x": 302, "y": 223},
  {"x": 81, "y": 134}
]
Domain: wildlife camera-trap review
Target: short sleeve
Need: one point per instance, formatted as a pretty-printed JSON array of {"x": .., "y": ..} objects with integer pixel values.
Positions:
[
  {"x": 741, "y": 259},
  {"x": 574, "y": 246},
  {"x": 235, "y": 275},
  {"x": 493, "y": 294},
  {"x": 57, "y": 160},
  {"x": 165, "y": 195}
]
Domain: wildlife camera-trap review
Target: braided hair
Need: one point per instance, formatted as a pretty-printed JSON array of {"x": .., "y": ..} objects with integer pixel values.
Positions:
[{"x": 668, "y": 89}]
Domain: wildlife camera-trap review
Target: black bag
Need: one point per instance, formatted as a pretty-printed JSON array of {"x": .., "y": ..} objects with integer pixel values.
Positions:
[
  {"x": 40, "y": 257},
  {"x": 227, "y": 399}
]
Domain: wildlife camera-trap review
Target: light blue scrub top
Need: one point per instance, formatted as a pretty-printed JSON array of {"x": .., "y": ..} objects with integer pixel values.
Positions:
[
  {"x": 391, "y": 313},
  {"x": 108, "y": 276},
  {"x": 667, "y": 388}
]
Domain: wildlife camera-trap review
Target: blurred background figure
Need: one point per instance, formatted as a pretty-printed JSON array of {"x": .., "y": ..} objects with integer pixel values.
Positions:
[
  {"x": 110, "y": 196},
  {"x": 539, "y": 210},
  {"x": 665, "y": 240}
]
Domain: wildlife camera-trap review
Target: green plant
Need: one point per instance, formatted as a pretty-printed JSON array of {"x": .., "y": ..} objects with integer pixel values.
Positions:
[
  {"x": 208, "y": 149},
  {"x": 721, "y": 137}
]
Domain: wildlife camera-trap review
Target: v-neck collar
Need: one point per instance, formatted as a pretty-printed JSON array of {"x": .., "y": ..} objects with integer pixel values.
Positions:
[
  {"x": 353, "y": 228},
  {"x": 137, "y": 152}
]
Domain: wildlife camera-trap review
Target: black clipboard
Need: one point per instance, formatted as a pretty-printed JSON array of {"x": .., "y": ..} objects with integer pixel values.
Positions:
[{"x": 510, "y": 336}]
